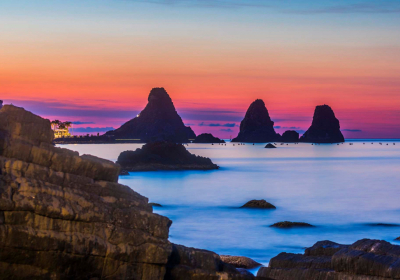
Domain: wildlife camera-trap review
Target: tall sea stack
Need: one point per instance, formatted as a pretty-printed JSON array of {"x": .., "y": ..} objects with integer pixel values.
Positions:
[
  {"x": 159, "y": 121},
  {"x": 325, "y": 127},
  {"x": 257, "y": 127}
]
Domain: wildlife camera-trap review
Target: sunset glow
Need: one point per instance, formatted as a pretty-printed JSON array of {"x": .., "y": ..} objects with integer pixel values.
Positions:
[{"x": 95, "y": 62}]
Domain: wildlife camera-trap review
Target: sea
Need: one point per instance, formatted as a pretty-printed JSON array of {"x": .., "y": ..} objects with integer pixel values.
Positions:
[{"x": 347, "y": 191}]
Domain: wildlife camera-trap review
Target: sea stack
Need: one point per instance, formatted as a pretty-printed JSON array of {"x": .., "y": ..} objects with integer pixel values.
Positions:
[
  {"x": 159, "y": 121},
  {"x": 325, "y": 127},
  {"x": 257, "y": 127},
  {"x": 207, "y": 138}
]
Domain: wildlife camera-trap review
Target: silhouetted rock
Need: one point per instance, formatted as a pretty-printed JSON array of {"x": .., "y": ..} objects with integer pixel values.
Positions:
[
  {"x": 363, "y": 260},
  {"x": 240, "y": 262},
  {"x": 163, "y": 156},
  {"x": 289, "y": 136},
  {"x": 287, "y": 224},
  {"x": 257, "y": 127},
  {"x": 207, "y": 138},
  {"x": 1, "y": 104},
  {"x": 159, "y": 121},
  {"x": 398, "y": 238},
  {"x": 270, "y": 146},
  {"x": 262, "y": 204},
  {"x": 64, "y": 216},
  {"x": 325, "y": 127}
]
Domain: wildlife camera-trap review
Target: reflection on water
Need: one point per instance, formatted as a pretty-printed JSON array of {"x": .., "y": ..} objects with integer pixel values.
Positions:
[{"x": 347, "y": 191}]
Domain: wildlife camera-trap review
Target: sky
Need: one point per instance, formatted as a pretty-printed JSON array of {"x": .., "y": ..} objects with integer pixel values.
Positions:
[{"x": 94, "y": 62}]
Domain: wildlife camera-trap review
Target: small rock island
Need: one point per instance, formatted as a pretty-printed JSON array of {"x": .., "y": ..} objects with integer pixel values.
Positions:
[
  {"x": 207, "y": 138},
  {"x": 260, "y": 204},
  {"x": 163, "y": 156},
  {"x": 287, "y": 224}
]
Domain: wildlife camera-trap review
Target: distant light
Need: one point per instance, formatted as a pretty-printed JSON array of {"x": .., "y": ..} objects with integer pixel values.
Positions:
[{"x": 138, "y": 115}]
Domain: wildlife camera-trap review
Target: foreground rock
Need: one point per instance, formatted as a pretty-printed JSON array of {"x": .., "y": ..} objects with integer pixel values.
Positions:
[
  {"x": 287, "y": 224},
  {"x": 159, "y": 121},
  {"x": 207, "y": 138},
  {"x": 289, "y": 136},
  {"x": 163, "y": 156},
  {"x": 240, "y": 262},
  {"x": 257, "y": 127},
  {"x": 64, "y": 216},
  {"x": 364, "y": 260},
  {"x": 261, "y": 204},
  {"x": 325, "y": 127},
  {"x": 270, "y": 146}
]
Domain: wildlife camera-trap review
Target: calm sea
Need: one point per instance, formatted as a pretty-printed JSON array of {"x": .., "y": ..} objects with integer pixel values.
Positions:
[{"x": 344, "y": 190}]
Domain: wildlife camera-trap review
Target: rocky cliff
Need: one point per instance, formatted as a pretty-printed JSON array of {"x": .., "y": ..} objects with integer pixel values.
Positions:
[
  {"x": 159, "y": 121},
  {"x": 364, "y": 260},
  {"x": 257, "y": 127},
  {"x": 325, "y": 127},
  {"x": 64, "y": 216}
]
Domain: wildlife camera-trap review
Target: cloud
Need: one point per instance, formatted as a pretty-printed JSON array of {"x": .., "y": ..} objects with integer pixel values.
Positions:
[
  {"x": 217, "y": 124},
  {"x": 78, "y": 122},
  {"x": 355, "y": 8},
  {"x": 352, "y": 130},
  {"x": 226, "y": 130},
  {"x": 92, "y": 129}
]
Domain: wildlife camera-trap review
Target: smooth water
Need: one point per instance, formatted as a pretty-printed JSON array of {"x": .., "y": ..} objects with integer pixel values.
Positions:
[{"x": 341, "y": 189}]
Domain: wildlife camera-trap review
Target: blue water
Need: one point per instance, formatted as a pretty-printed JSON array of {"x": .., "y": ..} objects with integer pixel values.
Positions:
[{"x": 341, "y": 189}]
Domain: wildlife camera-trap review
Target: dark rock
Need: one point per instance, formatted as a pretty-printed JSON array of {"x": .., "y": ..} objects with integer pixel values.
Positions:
[
  {"x": 194, "y": 264},
  {"x": 257, "y": 127},
  {"x": 383, "y": 225},
  {"x": 159, "y": 121},
  {"x": 262, "y": 204},
  {"x": 123, "y": 172},
  {"x": 207, "y": 138},
  {"x": 155, "y": 204},
  {"x": 325, "y": 127},
  {"x": 270, "y": 146},
  {"x": 240, "y": 262},
  {"x": 163, "y": 156},
  {"x": 64, "y": 216},
  {"x": 364, "y": 260},
  {"x": 287, "y": 224},
  {"x": 289, "y": 136},
  {"x": 398, "y": 238}
]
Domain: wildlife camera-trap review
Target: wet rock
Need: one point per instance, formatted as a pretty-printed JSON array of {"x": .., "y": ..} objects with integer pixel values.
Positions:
[
  {"x": 325, "y": 127},
  {"x": 262, "y": 204},
  {"x": 257, "y": 127},
  {"x": 289, "y": 136},
  {"x": 159, "y": 121},
  {"x": 163, "y": 156},
  {"x": 240, "y": 262},
  {"x": 287, "y": 224},
  {"x": 364, "y": 260},
  {"x": 207, "y": 138},
  {"x": 270, "y": 146}
]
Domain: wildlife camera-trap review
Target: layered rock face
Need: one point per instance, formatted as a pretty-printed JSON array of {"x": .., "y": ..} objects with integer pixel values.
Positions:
[
  {"x": 207, "y": 138},
  {"x": 257, "y": 127},
  {"x": 64, "y": 216},
  {"x": 325, "y": 127},
  {"x": 364, "y": 260},
  {"x": 290, "y": 136},
  {"x": 159, "y": 121},
  {"x": 163, "y": 156}
]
